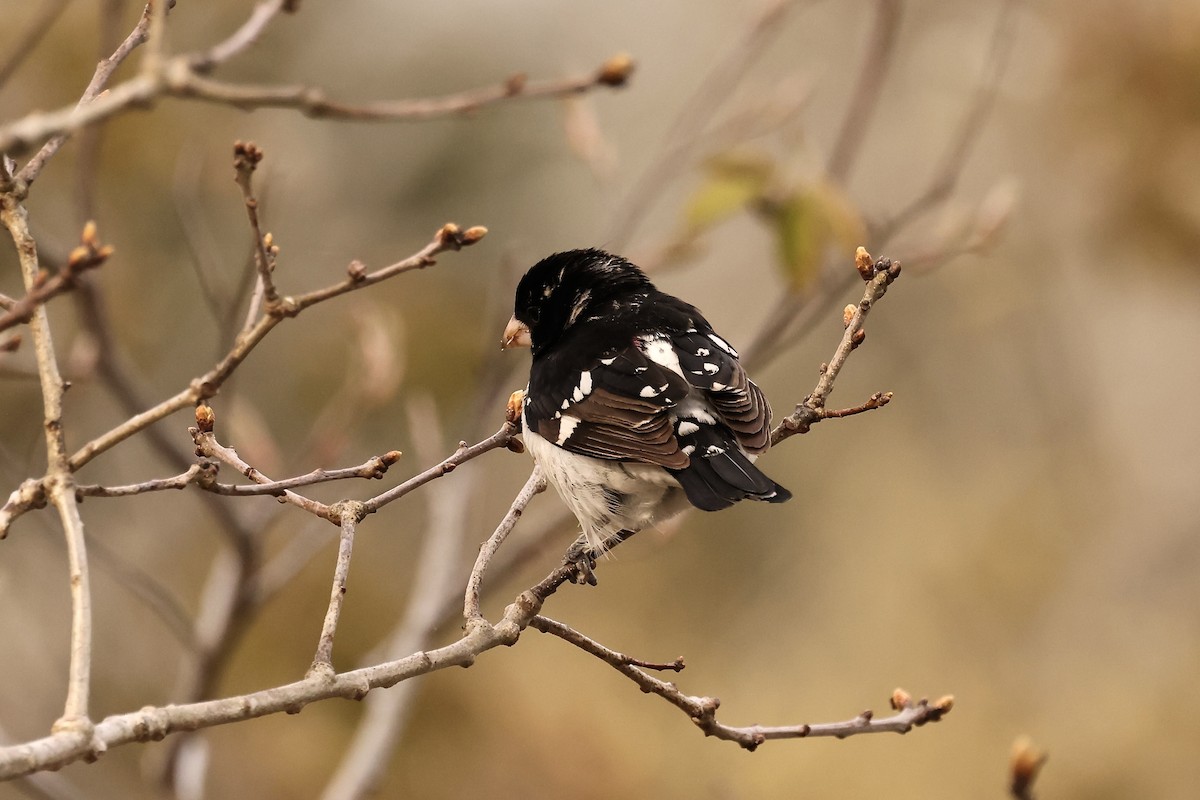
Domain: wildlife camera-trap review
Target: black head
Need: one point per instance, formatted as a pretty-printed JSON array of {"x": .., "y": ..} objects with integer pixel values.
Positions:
[{"x": 560, "y": 290}]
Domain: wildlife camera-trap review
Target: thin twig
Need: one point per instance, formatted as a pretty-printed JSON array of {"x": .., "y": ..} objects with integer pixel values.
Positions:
[
  {"x": 449, "y": 237},
  {"x": 703, "y": 710},
  {"x": 880, "y": 276},
  {"x": 176, "y": 78},
  {"x": 207, "y": 445},
  {"x": 373, "y": 468},
  {"x": 180, "y": 481},
  {"x": 349, "y": 514},
  {"x": 246, "y": 157},
  {"x": 535, "y": 484},
  {"x": 239, "y": 40},
  {"x": 465, "y": 452},
  {"x": 963, "y": 141}
]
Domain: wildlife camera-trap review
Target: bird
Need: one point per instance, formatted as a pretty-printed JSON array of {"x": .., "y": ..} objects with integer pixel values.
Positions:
[{"x": 635, "y": 407}]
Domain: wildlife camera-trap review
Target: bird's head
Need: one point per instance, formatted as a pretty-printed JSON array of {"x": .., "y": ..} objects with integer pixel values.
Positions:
[{"x": 559, "y": 291}]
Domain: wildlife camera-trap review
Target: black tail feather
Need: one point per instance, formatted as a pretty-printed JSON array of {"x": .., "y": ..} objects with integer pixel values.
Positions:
[{"x": 720, "y": 475}]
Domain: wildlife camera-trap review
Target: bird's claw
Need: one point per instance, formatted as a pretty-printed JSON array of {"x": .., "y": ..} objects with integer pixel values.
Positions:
[{"x": 581, "y": 564}]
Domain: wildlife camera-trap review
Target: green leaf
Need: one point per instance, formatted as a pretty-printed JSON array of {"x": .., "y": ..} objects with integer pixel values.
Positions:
[
  {"x": 734, "y": 181},
  {"x": 807, "y": 223}
]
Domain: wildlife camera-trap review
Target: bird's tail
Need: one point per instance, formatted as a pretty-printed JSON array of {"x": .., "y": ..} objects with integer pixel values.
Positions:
[{"x": 720, "y": 474}]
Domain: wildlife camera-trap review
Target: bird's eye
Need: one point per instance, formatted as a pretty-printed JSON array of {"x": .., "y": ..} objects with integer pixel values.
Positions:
[{"x": 533, "y": 312}]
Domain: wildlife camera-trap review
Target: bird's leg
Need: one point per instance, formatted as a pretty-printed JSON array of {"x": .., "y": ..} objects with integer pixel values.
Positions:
[{"x": 581, "y": 557}]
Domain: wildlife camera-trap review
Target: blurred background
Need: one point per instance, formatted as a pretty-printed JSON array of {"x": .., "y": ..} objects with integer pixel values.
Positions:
[{"x": 1018, "y": 528}]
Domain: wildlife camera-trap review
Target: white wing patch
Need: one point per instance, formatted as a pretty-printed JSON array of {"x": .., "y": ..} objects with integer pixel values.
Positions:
[
  {"x": 662, "y": 352},
  {"x": 688, "y": 428},
  {"x": 724, "y": 345},
  {"x": 583, "y": 389},
  {"x": 566, "y": 427}
]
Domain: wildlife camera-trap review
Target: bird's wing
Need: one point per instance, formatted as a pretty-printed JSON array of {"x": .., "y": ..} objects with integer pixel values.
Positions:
[
  {"x": 711, "y": 365},
  {"x": 616, "y": 406}
]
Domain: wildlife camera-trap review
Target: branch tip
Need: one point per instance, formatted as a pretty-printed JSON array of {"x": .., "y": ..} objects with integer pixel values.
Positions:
[
  {"x": 206, "y": 418},
  {"x": 616, "y": 70}
]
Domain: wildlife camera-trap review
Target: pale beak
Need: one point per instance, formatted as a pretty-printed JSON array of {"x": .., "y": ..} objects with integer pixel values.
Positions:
[{"x": 516, "y": 334}]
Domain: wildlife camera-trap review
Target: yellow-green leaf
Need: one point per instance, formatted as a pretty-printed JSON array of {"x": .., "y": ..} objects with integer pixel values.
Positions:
[{"x": 734, "y": 181}]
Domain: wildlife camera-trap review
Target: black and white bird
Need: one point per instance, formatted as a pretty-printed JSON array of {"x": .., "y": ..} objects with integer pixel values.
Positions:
[{"x": 635, "y": 405}]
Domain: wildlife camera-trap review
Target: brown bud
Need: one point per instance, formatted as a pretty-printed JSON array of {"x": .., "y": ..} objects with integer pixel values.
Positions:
[
  {"x": 390, "y": 457},
  {"x": 516, "y": 402},
  {"x": 901, "y": 699},
  {"x": 473, "y": 234},
  {"x": 205, "y": 418},
  {"x": 89, "y": 233},
  {"x": 268, "y": 240},
  {"x": 1024, "y": 765},
  {"x": 79, "y": 255},
  {"x": 943, "y": 704},
  {"x": 858, "y": 338},
  {"x": 516, "y": 445},
  {"x": 848, "y": 314},
  {"x": 616, "y": 71},
  {"x": 356, "y": 270},
  {"x": 515, "y": 84},
  {"x": 863, "y": 262}
]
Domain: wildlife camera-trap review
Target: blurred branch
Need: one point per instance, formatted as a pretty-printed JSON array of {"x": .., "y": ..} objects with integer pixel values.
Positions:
[
  {"x": 685, "y": 131},
  {"x": 703, "y": 710},
  {"x": 178, "y": 77},
  {"x": 1024, "y": 766},
  {"x": 47, "y": 13},
  {"x": 954, "y": 160},
  {"x": 100, "y": 78},
  {"x": 876, "y": 61}
]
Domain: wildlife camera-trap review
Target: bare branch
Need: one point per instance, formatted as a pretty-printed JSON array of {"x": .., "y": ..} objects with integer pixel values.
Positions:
[
  {"x": 879, "y": 275},
  {"x": 963, "y": 142},
  {"x": 89, "y": 255},
  {"x": 534, "y": 485},
  {"x": 465, "y": 452},
  {"x": 703, "y": 710},
  {"x": 373, "y": 468},
  {"x": 157, "y": 485},
  {"x": 104, "y": 71},
  {"x": 59, "y": 483},
  {"x": 239, "y": 40},
  {"x": 246, "y": 157},
  {"x": 177, "y": 78},
  {"x": 449, "y": 237},
  {"x": 349, "y": 513}
]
